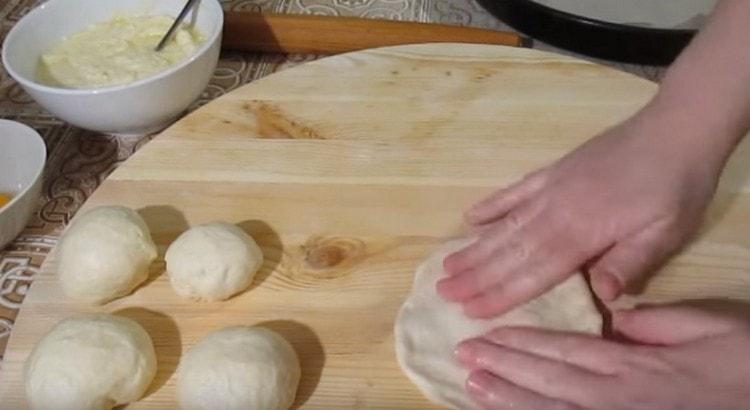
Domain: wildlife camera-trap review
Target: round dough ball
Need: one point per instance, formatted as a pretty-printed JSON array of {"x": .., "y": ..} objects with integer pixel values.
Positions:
[
  {"x": 428, "y": 328},
  {"x": 104, "y": 254},
  {"x": 239, "y": 368},
  {"x": 93, "y": 361},
  {"x": 212, "y": 262}
]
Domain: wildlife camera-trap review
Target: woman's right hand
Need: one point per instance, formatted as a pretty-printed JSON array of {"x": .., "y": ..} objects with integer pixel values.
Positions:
[{"x": 621, "y": 203}]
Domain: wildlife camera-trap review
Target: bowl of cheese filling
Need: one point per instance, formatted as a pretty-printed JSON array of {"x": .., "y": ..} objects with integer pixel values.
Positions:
[{"x": 93, "y": 63}]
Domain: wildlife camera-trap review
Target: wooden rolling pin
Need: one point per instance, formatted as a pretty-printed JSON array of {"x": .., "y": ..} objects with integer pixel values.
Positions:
[{"x": 295, "y": 33}]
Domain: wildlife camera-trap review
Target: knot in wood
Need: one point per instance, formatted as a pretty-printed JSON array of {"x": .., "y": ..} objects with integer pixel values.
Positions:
[{"x": 325, "y": 253}]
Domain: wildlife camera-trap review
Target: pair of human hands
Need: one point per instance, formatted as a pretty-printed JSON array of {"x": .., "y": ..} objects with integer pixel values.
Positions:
[{"x": 619, "y": 205}]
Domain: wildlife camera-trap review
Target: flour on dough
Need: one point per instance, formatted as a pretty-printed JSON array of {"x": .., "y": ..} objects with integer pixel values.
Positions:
[
  {"x": 428, "y": 329},
  {"x": 90, "y": 362},
  {"x": 239, "y": 368},
  {"x": 104, "y": 254},
  {"x": 212, "y": 262}
]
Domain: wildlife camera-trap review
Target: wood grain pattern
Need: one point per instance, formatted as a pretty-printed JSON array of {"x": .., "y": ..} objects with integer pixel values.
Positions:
[
  {"x": 298, "y": 33},
  {"x": 348, "y": 171}
]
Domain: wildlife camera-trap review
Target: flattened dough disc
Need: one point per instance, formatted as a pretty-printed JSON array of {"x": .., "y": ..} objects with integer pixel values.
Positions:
[{"x": 428, "y": 329}]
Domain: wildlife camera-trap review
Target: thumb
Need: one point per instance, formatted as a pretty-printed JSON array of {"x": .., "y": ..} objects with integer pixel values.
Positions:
[
  {"x": 671, "y": 325},
  {"x": 630, "y": 260},
  {"x": 503, "y": 201}
]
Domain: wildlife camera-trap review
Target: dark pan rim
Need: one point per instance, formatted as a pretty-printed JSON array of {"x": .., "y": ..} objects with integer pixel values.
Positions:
[
  {"x": 590, "y": 36},
  {"x": 603, "y": 23}
]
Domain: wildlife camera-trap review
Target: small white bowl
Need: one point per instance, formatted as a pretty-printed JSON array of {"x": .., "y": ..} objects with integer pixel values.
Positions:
[
  {"x": 22, "y": 158},
  {"x": 140, "y": 107}
]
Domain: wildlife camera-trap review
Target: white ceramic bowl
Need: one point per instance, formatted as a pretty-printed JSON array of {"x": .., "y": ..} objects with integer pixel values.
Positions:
[
  {"x": 140, "y": 107},
  {"x": 22, "y": 158}
]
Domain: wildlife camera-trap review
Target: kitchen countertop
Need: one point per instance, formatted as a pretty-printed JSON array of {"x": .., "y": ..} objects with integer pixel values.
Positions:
[{"x": 78, "y": 160}]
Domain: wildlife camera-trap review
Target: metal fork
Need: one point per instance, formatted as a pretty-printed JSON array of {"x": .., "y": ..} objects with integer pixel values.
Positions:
[{"x": 170, "y": 33}]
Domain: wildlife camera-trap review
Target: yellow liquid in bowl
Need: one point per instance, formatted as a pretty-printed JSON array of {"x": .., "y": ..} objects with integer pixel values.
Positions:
[{"x": 4, "y": 199}]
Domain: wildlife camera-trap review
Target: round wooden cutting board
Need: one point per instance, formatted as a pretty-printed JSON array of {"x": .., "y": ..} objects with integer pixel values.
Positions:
[{"x": 348, "y": 171}]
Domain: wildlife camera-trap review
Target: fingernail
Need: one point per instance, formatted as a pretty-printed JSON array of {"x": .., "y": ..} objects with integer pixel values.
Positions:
[
  {"x": 446, "y": 289},
  {"x": 463, "y": 353},
  {"x": 479, "y": 383},
  {"x": 443, "y": 288},
  {"x": 606, "y": 286}
]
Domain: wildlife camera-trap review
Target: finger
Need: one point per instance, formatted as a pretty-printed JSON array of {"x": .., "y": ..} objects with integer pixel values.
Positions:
[
  {"x": 490, "y": 241},
  {"x": 491, "y": 392},
  {"x": 515, "y": 291},
  {"x": 605, "y": 286},
  {"x": 512, "y": 255},
  {"x": 586, "y": 351},
  {"x": 540, "y": 256},
  {"x": 530, "y": 262},
  {"x": 629, "y": 260},
  {"x": 671, "y": 325},
  {"x": 521, "y": 283},
  {"x": 501, "y": 202},
  {"x": 527, "y": 263},
  {"x": 550, "y": 378}
]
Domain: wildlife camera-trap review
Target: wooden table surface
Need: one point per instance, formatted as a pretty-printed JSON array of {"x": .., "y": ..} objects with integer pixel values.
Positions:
[
  {"x": 79, "y": 160},
  {"x": 348, "y": 171}
]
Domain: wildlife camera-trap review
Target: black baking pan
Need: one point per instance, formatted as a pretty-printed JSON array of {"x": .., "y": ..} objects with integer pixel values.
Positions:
[{"x": 589, "y": 36}]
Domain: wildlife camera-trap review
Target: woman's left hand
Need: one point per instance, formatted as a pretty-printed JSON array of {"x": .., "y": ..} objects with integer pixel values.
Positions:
[{"x": 687, "y": 359}]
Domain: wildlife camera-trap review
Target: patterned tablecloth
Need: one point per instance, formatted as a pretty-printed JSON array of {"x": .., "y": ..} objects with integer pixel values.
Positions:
[{"x": 79, "y": 160}]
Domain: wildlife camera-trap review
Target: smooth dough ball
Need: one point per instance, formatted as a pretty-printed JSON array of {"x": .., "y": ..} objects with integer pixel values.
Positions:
[
  {"x": 212, "y": 262},
  {"x": 104, "y": 254},
  {"x": 93, "y": 361},
  {"x": 428, "y": 328},
  {"x": 239, "y": 368}
]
